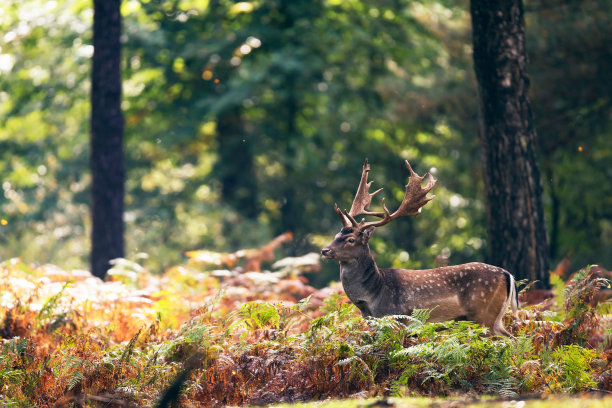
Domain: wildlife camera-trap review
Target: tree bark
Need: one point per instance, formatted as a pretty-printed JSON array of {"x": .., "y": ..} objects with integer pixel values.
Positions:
[
  {"x": 235, "y": 165},
  {"x": 517, "y": 232},
  {"x": 106, "y": 158},
  {"x": 291, "y": 209}
]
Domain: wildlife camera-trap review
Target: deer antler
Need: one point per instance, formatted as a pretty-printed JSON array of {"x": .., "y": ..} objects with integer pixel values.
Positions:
[
  {"x": 362, "y": 200},
  {"x": 415, "y": 197}
]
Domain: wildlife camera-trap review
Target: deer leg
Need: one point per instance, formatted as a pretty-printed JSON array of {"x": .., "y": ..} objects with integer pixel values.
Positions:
[
  {"x": 499, "y": 330},
  {"x": 492, "y": 317},
  {"x": 363, "y": 308}
]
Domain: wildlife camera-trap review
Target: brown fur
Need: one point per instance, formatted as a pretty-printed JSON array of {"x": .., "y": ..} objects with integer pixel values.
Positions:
[{"x": 473, "y": 291}]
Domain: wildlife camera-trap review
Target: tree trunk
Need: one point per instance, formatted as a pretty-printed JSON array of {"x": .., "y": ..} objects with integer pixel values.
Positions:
[
  {"x": 106, "y": 159},
  {"x": 517, "y": 232},
  {"x": 291, "y": 210},
  {"x": 235, "y": 164}
]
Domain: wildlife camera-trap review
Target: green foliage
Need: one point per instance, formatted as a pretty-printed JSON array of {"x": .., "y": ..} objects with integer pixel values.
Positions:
[
  {"x": 581, "y": 315},
  {"x": 317, "y": 87},
  {"x": 48, "y": 309},
  {"x": 43, "y": 125},
  {"x": 12, "y": 372},
  {"x": 309, "y": 89},
  {"x": 571, "y": 367},
  {"x": 572, "y": 110}
]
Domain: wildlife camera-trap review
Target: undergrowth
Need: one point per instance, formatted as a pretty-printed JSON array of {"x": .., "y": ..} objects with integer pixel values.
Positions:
[{"x": 116, "y": 345}]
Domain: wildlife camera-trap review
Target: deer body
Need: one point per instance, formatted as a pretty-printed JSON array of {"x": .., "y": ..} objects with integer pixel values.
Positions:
[
  {"x": 473, "y": 291},
  {"x": 445, "y": 291}
]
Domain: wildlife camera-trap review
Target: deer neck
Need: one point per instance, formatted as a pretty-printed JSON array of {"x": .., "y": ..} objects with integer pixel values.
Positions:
[{"x": 360, "y": 277}]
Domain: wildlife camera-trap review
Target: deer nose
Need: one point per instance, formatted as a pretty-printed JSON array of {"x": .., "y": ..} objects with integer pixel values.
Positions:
[{"x": 326, "y": 251}]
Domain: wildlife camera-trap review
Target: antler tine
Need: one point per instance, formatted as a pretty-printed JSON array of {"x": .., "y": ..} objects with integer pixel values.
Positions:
[
  {"x": 354, "y": 222},
  {"x": 415, "y": 197},
  {"x": 363, "y": 198},
  {"x": 346, "y": 222}
]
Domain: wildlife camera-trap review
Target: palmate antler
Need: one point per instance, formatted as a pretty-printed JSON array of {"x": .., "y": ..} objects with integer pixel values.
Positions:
[{"x": 415, "y": 197}]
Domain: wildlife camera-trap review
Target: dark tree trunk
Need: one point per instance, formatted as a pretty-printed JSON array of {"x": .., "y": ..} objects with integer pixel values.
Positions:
[
  {"x": 291, "y": 210},
  {"x": 235, "y": 164},
  {"x": 292, "y": 203},
  {"x": 517, "y": 232},
  {"x": 106, "y": 159}
]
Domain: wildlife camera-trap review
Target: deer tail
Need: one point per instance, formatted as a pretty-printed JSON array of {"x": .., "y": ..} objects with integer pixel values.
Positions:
[{"x": 512, "y": 299}]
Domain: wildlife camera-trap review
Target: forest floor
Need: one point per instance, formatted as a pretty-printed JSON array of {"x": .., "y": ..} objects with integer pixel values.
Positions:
[
  {"x": 207, "y": 336},
  {"x": 583, "y": 401}
]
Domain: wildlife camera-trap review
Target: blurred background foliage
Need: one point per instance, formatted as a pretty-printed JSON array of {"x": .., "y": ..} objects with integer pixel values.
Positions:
[{"x": 248, "y": 119}]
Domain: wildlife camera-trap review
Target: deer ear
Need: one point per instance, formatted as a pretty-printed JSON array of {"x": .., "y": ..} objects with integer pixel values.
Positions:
[{"x": 367, "y": 233}]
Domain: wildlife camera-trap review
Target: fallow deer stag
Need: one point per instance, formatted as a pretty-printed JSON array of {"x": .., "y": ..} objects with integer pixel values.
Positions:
[{"x": 473, "y": 291}]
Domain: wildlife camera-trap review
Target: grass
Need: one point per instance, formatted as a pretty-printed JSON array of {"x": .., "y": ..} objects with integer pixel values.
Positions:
[{"x": 584, "y": 401}]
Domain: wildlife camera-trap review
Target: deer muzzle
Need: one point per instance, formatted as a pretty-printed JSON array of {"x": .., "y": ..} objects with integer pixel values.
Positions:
[{"x": 328, "y": 253}]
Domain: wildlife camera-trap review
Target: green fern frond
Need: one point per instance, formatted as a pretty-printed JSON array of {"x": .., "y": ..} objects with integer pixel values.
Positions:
[
  {"x": 47, "y": 309},
  {"x": 348, "y": 360},
  {"x": 75, "y": 378},
  {"x": 129, "y": 348}
]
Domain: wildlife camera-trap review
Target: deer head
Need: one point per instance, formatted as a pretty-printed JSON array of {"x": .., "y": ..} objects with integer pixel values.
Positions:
[{"x": 350, "y": 242}]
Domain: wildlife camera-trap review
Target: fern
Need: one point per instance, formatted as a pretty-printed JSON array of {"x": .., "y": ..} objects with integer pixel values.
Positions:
[
  {"x": 573, "y": 364},
  {"x": 47, "y": 309},
  {"x": 348, "y": 360},
  {"x": 11, "y": 376},
  {"x": 420, "y": 315},
  {"x": 258, "y": 315},
  {"x": 451, "y": 353},
  {"x": 407, "y": 375},
  {"x": 75, "y": 378},
  {"x": 505, "y": 387},
  {"x": 129, "y": 348},
  {"x": 358, "y": 368}
]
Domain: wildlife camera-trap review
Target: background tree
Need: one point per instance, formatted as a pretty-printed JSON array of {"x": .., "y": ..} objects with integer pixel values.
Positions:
[
  {"x": 569, "y": 66},
  {"x": 107, "y": 166},
  {"x": 517, "y": 232},
  {"x": 392, "y": 80}
]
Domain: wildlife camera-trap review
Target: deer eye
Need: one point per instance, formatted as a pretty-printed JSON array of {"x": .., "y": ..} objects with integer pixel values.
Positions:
[{"x": 351, "y": 240}]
